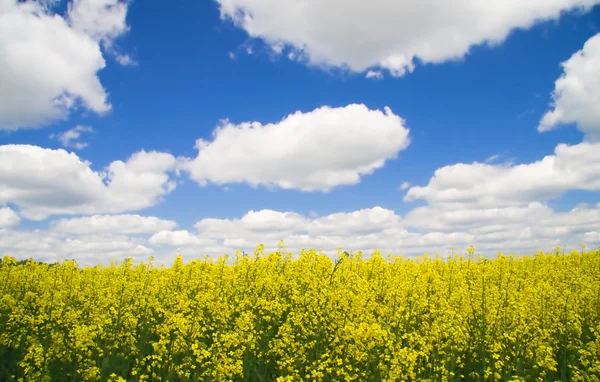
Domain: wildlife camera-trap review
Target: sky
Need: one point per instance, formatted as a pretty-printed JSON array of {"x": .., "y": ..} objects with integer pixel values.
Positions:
[{"x": 139, "y": 129}]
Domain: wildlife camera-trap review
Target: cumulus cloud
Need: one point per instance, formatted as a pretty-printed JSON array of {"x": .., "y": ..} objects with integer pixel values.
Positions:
[
  {"x": 361, "y": 222},
  {"x": 424, "y": 230},
  {"x": 43, "y": 245},
  {"x": 313, "y": 151},
  {"x": 102, "y": 20},
  {"x": 43, "y": 182},
  {"x": 356, "y": 228},
  {"x": 391, "y": 35},
  {"x": 175, "y": 239},
  {"x": 504, "y": 205},
  {"x": 374, "y": 74},
  {"x": 71, "y": 138},
  {"x": 576, "y": 93},
  {"x": 125, "y": 60},
  {"x": 272, "y": 224},
  {"x": 575, "y": 167},
  {"x": 512, "y": 229},
  {"x": 8, "y": 218},
  {"x": 49, "y": 62},
  {"x": 124, "y": 224},
  {"x": 438, "y": 218}
]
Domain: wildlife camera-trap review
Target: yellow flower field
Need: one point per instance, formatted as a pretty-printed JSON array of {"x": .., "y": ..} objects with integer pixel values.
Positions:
[{"x": 281, "y": 317}]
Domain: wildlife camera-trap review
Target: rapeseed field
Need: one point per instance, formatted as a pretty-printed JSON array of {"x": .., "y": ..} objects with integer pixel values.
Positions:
[{"x": 282, "y": 317}]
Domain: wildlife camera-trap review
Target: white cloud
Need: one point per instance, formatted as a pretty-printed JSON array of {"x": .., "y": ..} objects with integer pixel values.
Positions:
[
  {"x": 266, "y": 224},
  {"x": 355, "y": 229},
  {"x": 503, "y": 205},
  {"x": 575, "y": 167},
  {"x": 43, "y": 182},
  {"x": 175, "y": 239},
  {"x": 439, "y": 218},
  {"x": 391, "y": 35},
  {"x": 48, "y": 246},
  {"x": 404, "y": 186},
  {"x": 313, "y": 151},
  {"x": 509, "y": 229},
  {"x": 493, "y": 158},
  {"x": 271, "y": 221},
  {"x": 8, "y": 218},
  {"x": 375, "y": 74},
  {"x": 363, "y": 229},
  {"x": 124, "y": 224},
  {"x": 49, "y": 62},
  {"x": 102, "y": 20},
  {"x": 125, "y": 60},
  {"x": 577, "y": 92},
  {"x": 71, "y": 138},
  {"x": 361, "y": 222},
  {"x": 424, "y": 230},
  {"x": 592, "y": 236}
]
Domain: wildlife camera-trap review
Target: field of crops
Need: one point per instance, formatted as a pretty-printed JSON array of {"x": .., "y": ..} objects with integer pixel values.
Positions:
[{"x": 281, "y": 317}]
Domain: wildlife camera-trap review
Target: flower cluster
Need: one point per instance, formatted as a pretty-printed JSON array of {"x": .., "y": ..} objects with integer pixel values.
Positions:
[{"x": 282, "y": 317}]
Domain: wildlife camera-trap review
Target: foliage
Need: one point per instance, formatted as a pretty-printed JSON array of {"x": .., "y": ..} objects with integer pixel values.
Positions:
[{"x": 276, "y": 317}]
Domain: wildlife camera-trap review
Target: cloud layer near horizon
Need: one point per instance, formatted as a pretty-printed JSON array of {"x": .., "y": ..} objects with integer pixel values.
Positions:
[{"x": 102, "y": 239}]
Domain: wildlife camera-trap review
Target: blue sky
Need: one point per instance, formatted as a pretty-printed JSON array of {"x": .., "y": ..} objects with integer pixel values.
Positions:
[{"x": 173, "y": 73}]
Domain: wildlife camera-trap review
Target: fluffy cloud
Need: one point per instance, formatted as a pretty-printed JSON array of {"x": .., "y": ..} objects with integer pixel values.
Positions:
[
  {"x": 438, "y": 218},
  {"x": 124, "y": 224},
  {"x": 425, "y": 230},
  {"x": 175, "y": 239},
  {"x": 520, "y": 229},
  {"x": 87, "y": 249},
  {"x": 365, "y": 229},
  {"x": 270, "y": 221},
  {"x": 43, "y": 182},
  {"x": 318, "y": 150},
  {"x": 575, "y": 167},
  {"x": 365, "y": 221},
  {"x": 358, "y": 35},
  {"x": 503, "y": 205},
  {"x": 357, "y": 230},
  {"x": 102, "y": 20},
  {"x": 125, "y": 60},
  {"x": 8, "y": 218},
  {"x": 267, "y": 224},
  {"x": 577, "y": 92},
  {"x": 535, "y": 226},
  {"x": 374, "y": 74},
  {"x": 71, "y": 138},
  {"x": 49, "y": 62}
]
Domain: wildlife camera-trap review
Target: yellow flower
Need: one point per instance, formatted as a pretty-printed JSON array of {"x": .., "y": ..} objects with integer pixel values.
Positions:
[{"x": 305, "y": 318}]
